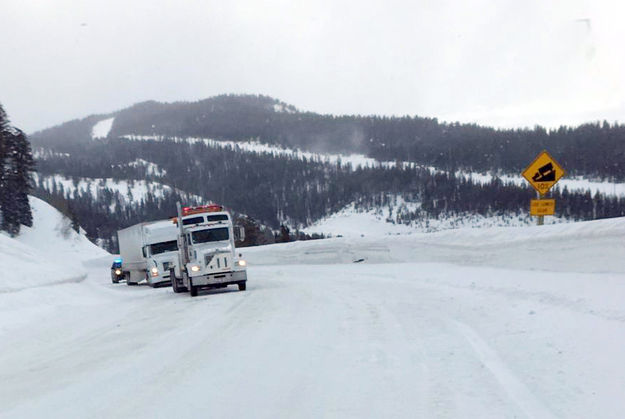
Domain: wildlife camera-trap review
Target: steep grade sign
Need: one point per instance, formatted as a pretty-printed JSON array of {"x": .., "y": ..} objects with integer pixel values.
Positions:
[{"x": 543, "y": 173}]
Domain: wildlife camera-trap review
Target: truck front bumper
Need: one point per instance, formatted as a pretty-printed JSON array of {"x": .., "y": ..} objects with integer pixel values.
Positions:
[
  {"x": 158, "y": 280},
  {"x": 219, "y": 279}
]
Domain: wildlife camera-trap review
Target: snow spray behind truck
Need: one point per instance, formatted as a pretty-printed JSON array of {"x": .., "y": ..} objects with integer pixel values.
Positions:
[
  {"x": 206, "y": 252},
  {"x": 148, "y": 251}
]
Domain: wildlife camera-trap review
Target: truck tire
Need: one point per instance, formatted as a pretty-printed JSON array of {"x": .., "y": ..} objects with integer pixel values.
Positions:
[
  {"x": 242, "y": 286},
  {"x": 193, "y": 290},
  {"x": 174, "y": 283}
]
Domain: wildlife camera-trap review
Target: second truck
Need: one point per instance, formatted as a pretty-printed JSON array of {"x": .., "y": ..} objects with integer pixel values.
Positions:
[{"x": 147, "y": 251}]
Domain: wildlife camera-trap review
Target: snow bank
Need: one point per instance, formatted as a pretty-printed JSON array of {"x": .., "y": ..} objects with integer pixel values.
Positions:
[
  {"x": 352, "y": 222},
  {"x": 102, "y": 128},
  {"x": 48, "y": 253},
  {"x": 590, "y": 247}
]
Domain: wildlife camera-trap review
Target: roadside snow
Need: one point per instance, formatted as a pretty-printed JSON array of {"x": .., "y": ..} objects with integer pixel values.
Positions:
[
  {"x": 591, "y": 246},
  {"x": 102, "y": 128},
  {"x": 49, "y": 252},
  {"x": 386, "y": 220}
]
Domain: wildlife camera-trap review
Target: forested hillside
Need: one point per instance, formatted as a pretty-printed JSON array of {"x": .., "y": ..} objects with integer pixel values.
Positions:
[
  {"x": 271, "y": 190},
  {"x": 595, "y": 150},
  {"x": 153, "y": 155}
]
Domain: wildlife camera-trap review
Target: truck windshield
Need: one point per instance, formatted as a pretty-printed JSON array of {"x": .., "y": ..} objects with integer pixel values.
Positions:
[
  {"x": 162, "y": 247},
  {"x": 193, "y": 220},
  {"x": 217, "y": 217},
  {"x": 210, "y": 235}
]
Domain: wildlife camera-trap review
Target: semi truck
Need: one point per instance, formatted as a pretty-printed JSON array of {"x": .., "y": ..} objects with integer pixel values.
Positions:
[
  {"x": 148, "y": 250},
  {"x": 207, "y": 257}
]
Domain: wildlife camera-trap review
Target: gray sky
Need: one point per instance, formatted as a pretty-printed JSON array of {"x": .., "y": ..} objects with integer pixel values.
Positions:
[{"x": 503, "y": 63}]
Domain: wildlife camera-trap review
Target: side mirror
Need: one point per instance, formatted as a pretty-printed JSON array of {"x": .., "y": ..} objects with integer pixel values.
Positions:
[{"x": 239, "y": 233}]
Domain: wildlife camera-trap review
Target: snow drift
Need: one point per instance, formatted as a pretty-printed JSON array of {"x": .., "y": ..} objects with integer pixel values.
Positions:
[
  {"x": 49, "y": 252},
  {"x": 591, "y": 246}
]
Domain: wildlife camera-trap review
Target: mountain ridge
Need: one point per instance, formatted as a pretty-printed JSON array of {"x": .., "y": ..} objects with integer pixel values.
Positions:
[{"x": 592, "y": 150}]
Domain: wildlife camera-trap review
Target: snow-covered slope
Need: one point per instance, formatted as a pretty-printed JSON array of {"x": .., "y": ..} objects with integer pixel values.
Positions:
[
  {"x": 102, "y": 128},
  {"x": 360, "y": 160},
  {"x": 129, "y": 192},
  {"x": 49, "y": 252}
]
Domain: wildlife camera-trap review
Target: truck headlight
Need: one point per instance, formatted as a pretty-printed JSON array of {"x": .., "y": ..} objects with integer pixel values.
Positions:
[
  {"x": 241, "y": 262},
  {"x": 195, "y": 268},
  {"x": 118, "y": 271},
  {"x": 154, "y": 271}
]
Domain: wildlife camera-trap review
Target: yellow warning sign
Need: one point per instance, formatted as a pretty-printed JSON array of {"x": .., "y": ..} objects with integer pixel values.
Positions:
[
  {"x": 543, "y": 173},
  {"x": 542, "y": 207}
]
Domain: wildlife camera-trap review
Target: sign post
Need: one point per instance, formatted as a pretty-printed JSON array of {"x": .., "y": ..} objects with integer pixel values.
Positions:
[{"x": 542, "y": 174}]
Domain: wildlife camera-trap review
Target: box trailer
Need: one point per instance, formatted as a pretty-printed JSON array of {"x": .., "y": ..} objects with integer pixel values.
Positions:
[{"x": 148, "y": 250}]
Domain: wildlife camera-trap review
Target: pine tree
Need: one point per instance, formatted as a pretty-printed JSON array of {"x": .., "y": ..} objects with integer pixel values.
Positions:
[
  {"x": 25, "y": 166},
  {"x": 16, "y": 167}
]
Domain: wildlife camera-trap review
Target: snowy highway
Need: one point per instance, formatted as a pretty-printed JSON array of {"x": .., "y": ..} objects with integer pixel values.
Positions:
[{"x": 320, "y": 340}]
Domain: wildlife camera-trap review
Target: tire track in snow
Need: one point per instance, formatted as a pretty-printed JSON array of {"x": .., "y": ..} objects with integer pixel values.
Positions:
[{"x": 517, "y": 391}]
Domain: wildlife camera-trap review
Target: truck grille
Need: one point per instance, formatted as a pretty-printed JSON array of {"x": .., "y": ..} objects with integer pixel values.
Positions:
[
  {"x": 207, "y": 259},
  {"x": 166, "y": 266}
]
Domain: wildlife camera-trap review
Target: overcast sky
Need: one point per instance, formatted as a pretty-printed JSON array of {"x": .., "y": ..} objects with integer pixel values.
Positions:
[{"x": 503, "y": 63}]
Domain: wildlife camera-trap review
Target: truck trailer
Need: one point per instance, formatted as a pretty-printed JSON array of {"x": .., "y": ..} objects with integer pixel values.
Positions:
[
  {"x": 148, "y": 250},
  {"x": 207, "y": 257}
]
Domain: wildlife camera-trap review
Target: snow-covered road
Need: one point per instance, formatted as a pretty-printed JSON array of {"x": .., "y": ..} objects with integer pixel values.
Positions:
[{"x": 339, "y": 340}]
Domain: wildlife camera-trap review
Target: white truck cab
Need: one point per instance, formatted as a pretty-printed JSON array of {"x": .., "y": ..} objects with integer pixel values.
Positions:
[
  {"x": 161, "y": 252},
  {"x": 148, "y": 251},
  {"x": 207, "y": 257}
]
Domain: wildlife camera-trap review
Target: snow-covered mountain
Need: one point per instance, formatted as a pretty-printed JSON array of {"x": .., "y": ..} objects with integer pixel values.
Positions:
[{"x": 307, "y": 172}]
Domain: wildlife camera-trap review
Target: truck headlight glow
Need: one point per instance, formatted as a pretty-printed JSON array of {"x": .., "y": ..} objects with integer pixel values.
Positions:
[
  {"x": 118, "y": 271},
  {"x": 195, "y": 268},
  {"x": 154, "y": 271},
  {"x": 241, "y": 262}
]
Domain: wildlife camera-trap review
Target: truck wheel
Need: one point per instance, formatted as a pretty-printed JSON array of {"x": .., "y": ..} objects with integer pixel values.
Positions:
[
  {"x": 182, "y": 288},
  {"x": 174, "y": 281},
  {"x": 193, "y": 291},
  {"x": 147, "y": 279},
  {"x": 242, "y": 286}
]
